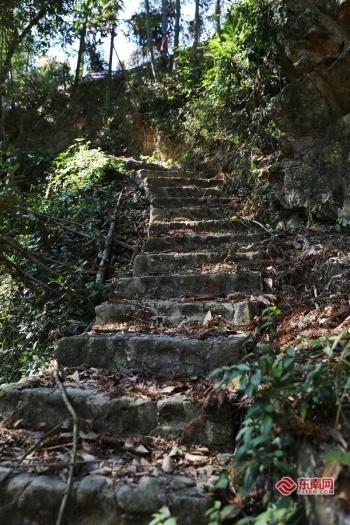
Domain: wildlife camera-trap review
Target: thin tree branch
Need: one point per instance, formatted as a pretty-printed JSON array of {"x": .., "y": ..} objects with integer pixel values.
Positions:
[
  {"x": 74, "y": 449},
  {"x": 31, "y": 449},
  {"x": 15, "y": 270},
  {"x": 28, "y": 254},
  {"x": 102, "y": 269}
]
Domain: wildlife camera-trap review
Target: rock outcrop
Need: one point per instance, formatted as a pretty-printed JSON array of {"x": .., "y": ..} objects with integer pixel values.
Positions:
[{"x": 313, "y": 110}]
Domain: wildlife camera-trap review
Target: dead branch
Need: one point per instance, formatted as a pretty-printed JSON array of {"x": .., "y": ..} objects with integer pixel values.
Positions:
[
  {"x": 28, "y": 254},
  {"x": 124, "y": 244},
  {"x": 102, "y": 269},
  {"x": 38, "y": 443},
  {"x": 74, "y": 449},
  {"x": 31, "y": 449},
  {"x": 15, "y": 270},
  {"x": 63, "y": 226}
]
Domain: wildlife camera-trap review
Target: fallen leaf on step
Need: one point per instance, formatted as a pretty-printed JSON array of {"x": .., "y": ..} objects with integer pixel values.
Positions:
[
  {"x": 168, "y": 464},
  {"x": 208, "y": 317},
  {"x": 87, "y": 457},
  {"x": 142, "y": 451},
  {"x": 90, "y": 436},
  {"x": 129, "y": 444},
  {"x": 269, "y": 282},
  {"x": 176, "y": 451},
  {"x": 167, "y": 390},
  {"x": 194, "y": 458},
  {"x": 75, "y": 377}
]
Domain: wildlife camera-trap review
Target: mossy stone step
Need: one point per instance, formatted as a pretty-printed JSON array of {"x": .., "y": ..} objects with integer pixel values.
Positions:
[
  {"x": 175, "y": 262},
  {"x": 159, "y": 182},
  {"x": 189, "y": 213},
  {"x": 172, "y": 313},
  {"x": 172, "y": 173},
  {"x": 158, "y": 355},
  {"x": 184, "y": 201},
  {"x": 223, "y": 242},
  {"x": 162, "y": 228},
  {"x": 187, "y": 285},
  {"x": 193, "y": 192},
  {"x": 95, "y": 499},
  {"x": 168, "y": 417}
]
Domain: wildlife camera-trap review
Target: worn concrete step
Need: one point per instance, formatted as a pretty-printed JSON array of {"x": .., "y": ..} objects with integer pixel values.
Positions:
[
  {"x": 187, "y": 285},
  {"x": 159, "y": 182},
  {"x": 28, "y": 406},
  {"x": 172, "y": 173},
  {"x": 182, "y": 201},
  {"x": 172, "y": 313},
  {"x": 208, "y": 242},
  {"x": 161, "y": 355},
  {"x": 162, "y": 228},
  {"x": 175, "y": 262},
  {"x": 105, "y": 494},
  {"x": 189, "y": 213},
  {"x": 172, "y": 192}
]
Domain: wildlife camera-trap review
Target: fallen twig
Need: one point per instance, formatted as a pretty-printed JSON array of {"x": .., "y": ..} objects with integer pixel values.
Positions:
[
  {"x": 14, "y": 269},
  {"x": 28, "y": 254},
  {"x": 74, "y": 449},
  {"x": 31, "y": 449},
  {"x": 102, "y": 269},
  {"x": 124, "y": 244},
  {"x": 38, "y": 443}
]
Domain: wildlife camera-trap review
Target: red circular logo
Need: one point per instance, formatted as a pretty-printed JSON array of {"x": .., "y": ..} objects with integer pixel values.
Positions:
[{"x": 286, "y": 486}]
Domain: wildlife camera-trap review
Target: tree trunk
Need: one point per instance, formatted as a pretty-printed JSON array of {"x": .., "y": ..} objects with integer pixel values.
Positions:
[
  {"x": 8, "y": 50},
  {"x": 218, "y": 17},
  {"x": 149, "y": 39},
  {"x": 164, "y": 46},
  {"x": 176, "y": 32},
  {"x": 109, "y": 77},
  {"x": 197, "y": 25},
  {"x": 80, "y": 61}
]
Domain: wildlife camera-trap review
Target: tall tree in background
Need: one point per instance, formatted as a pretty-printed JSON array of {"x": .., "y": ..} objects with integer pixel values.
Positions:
[
  {"x": 197, "y": 25},
  {"x": 164, "y": 44},
  {"x": 80, "y": 60},
  {"x": 176, "y": 32},
  {"x": 19, "y": 21},
  {"x": 149, "y": 39},
  {"x": 218, "y": 17},
  {"x": 98, "y": 16},
  {"x": 109, "y": 18}
]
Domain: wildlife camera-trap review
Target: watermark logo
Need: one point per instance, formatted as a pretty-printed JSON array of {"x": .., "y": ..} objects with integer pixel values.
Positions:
[
  {"x": 306, "y": 486},
  {"x": 286, "y": 486},
  {"x": 316, "y": 486}
]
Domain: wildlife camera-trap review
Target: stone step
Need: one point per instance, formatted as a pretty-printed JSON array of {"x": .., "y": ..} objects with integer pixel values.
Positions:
[
  {"x": 158, "y": 182},
  {"x": 190, "y": 243},
  {"x": 172, "y": 173},
  {"x": 175, "y": 262},
  {"x": 29, "y": 406},
  {"x": 160, "y": 355},
  {"x": 187, "y": 285},
  {"x": 107, "y": 492},
  {"x": 182, "y": 201},
  {"x": 190, "y": 213},
  {"x": 162, "y": 228},
  {"x": 172, "y": 192},
  {"x": 172, "y": 313}
]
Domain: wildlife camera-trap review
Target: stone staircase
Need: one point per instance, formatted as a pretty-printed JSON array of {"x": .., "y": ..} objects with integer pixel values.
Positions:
[{"x": 153, "y": 430}]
